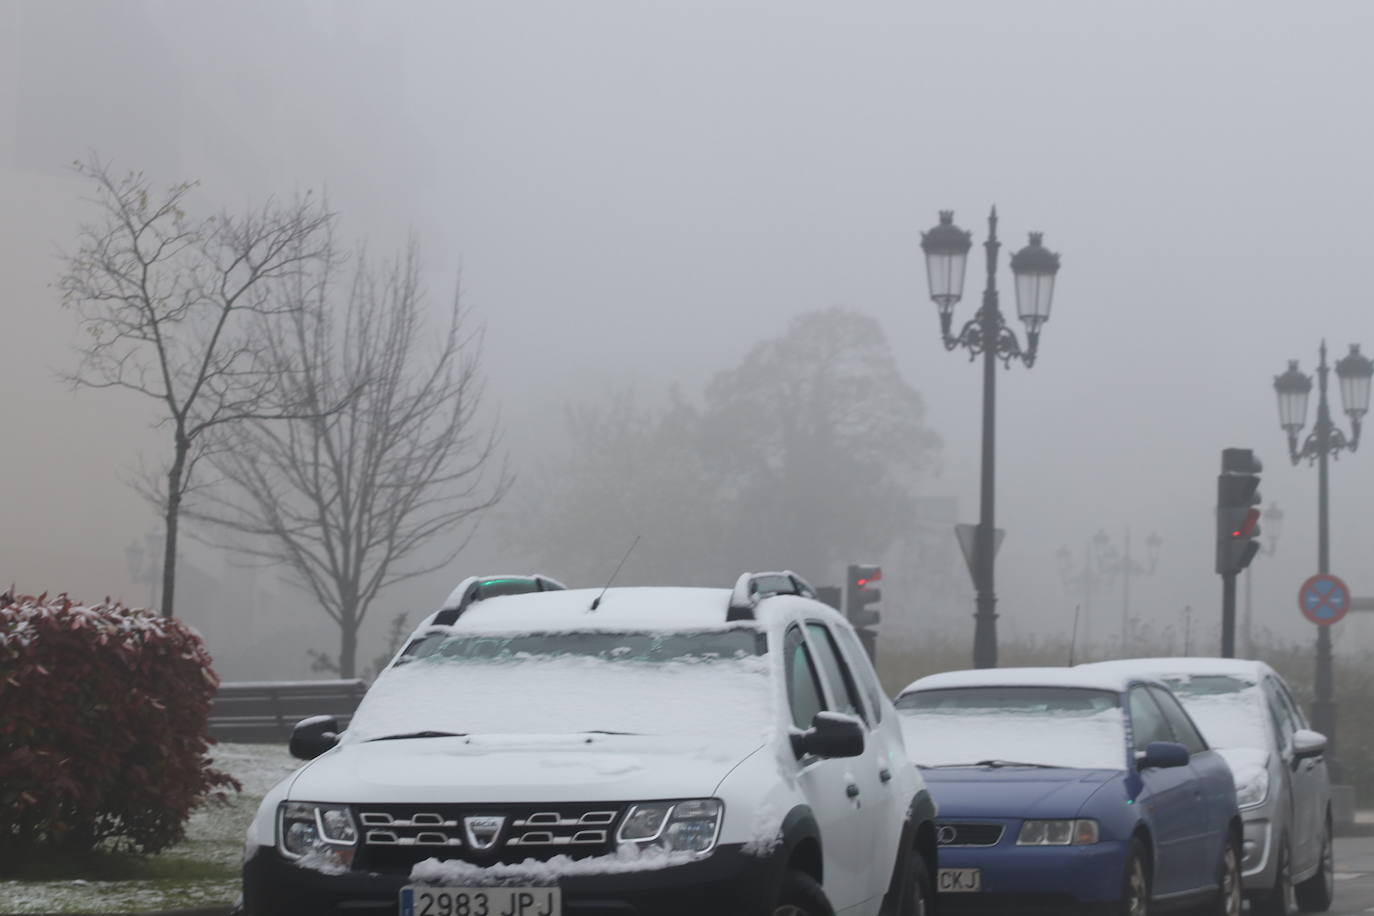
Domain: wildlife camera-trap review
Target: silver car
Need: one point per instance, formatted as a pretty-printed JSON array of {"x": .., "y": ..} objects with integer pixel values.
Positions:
[{"x": 1248, "y": 714}]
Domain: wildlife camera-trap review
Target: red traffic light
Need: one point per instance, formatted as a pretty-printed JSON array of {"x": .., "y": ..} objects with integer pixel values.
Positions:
[
  {"x": 1248, "y": 526},
  {"x": 871, "y": 574}
]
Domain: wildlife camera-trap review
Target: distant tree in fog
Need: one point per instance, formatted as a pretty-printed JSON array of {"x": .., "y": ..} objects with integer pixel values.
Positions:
[
  {"x": 177, "y": 308},
  {"x": 815, "y": 441},
  {"x": 802, "y": 456},
  {"x": 626, "y": 470},
  {"x": 348, "y": 500}
]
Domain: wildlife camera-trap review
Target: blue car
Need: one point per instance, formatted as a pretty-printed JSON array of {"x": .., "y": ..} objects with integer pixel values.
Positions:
[{"x": 1069, "y": 790}]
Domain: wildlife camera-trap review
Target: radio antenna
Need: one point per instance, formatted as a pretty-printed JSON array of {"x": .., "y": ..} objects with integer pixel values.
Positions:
[
  {"x": 596, "y": 602},
  {"x": 1073, "y": 637}
]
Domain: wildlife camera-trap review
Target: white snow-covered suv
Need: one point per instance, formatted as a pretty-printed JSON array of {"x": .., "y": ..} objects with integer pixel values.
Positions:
[{"x": 627, "y": 751}]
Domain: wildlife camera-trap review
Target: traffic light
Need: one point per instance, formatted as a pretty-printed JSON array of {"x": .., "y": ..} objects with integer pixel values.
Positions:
[
  {"x": 859, "y": 593},
  {"x": 1238, "y": 514}
]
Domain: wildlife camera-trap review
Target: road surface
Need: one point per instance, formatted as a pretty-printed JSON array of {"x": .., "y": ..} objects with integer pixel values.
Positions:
[{"x": 1354, "y": 876}]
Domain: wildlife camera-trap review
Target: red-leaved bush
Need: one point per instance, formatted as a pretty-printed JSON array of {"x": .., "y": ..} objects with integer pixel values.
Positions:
[{"x": 103, "y": 736}]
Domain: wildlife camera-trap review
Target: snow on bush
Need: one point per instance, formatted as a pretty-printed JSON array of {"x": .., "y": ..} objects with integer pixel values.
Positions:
[{"x": 103, "y": 726}]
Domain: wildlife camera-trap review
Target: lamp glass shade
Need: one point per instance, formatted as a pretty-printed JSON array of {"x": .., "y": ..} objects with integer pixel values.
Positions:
[
  {"x": 1035, "y": 268},
  {"x": 946, "y": 248},
  {"x": 1354, "y": 371},
  {"x": 1293, "y": 389}
]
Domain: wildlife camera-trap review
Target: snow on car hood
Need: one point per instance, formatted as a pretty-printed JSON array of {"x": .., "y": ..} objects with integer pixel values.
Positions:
[
  {"x": 554, "y": 768},
  {"x": 1248, "y": 764},
  {"x": 534, "y": 695},
  {"x": 1014, "y": 792},
  {"x": 1083, "y": 742}
]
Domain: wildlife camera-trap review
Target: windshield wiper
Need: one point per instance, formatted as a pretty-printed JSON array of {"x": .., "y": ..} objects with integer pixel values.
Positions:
[
  {"x": 995, "y": 764},
  {"x": 602, "y": 731},
  {"x": 424, "y": 734}
]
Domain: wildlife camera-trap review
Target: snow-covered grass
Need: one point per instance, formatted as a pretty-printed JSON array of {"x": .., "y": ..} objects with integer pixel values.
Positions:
[{"x": 202, "y": 870}]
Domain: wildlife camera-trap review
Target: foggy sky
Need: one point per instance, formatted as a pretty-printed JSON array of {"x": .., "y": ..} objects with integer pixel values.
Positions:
[{"x": 637, "y": 192}]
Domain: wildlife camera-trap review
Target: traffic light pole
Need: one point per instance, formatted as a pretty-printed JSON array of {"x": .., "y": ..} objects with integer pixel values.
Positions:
[
  {"x": 1228, "y": 616},
  {"x": 1237, "y": 530}
]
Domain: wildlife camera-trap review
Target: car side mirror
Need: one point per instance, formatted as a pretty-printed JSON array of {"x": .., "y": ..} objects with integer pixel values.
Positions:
[
  {"x": 313, "y": 736},
  {"x": 1307, "y": 743},
  {"x": 1162, "y": 755},
  {"x": 831, "y": 734}
]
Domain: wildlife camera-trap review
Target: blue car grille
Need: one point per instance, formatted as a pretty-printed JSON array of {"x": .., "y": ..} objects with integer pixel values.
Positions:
[{"x": 951, "y": 833}]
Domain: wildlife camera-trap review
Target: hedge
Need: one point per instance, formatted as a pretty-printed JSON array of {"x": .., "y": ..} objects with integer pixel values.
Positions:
[{"x": 103, "y": 727}]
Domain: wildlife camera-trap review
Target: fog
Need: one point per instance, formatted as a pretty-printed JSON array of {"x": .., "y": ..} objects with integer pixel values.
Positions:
[{"x": 636, "y": 193}]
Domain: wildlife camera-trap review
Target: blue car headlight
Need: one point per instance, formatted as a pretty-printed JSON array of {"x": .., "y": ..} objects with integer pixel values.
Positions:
[{"x": 1080, "y": 831}]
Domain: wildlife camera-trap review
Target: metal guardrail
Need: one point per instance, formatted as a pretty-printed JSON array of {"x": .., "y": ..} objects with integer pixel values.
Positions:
[{"x": 266, "y": 711}]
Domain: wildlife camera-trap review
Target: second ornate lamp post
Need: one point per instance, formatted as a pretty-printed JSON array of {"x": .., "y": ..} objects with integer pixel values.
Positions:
[
  {"x": 987, "y": 333},
  {"x": 1122, "y": 563},
  {"x": 1326, "y": 441}
]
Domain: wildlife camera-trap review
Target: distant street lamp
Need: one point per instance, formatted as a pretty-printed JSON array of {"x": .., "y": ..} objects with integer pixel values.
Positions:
[
  {"x": 1272, "y": 519},
  {"x": 1034, "y": 267},
  {"x": 1085, "y": 579},
  {"x": 143, "y": 566},
  {"x": 1326, "y": 441},
  {"x": 1123, "y": 564}
]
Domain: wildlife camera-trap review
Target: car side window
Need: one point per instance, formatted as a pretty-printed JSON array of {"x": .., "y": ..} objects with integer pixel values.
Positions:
[
  {"x": 1185, "y": 733},
  {"x": 1294, "y": 710},
  {"x": 837, "y": 673},
  {"x": 1147, "y": 721},
  {"x": 1283, "y": 720},
  {"x": 863, "y": 670},
  {"x": 803, "y": 689}
]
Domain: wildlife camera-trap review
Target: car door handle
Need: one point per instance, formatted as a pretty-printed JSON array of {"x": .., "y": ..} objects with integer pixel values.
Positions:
[
  {"x": 851, "y": 790},
  {"x": 885, "y": 774}
]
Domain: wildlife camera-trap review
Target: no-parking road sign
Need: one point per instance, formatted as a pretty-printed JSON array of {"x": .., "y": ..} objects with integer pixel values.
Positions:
[{"x": 1324, "y": 599}]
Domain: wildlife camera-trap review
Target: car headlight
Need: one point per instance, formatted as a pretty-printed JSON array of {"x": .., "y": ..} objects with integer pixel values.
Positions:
[
  {"x": 680, "y": 826},
  {"x": 1077, "y": 832},
  {"x": 324, "y": 835},
  {"x": 1254, "y": 790}
]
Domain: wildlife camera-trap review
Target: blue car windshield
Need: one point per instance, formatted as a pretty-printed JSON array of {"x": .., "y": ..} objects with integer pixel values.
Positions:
[{"x": 1037, "y": 726}]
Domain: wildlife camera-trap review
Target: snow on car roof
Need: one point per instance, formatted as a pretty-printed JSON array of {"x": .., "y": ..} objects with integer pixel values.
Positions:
[
  {"x": 1244, "y": 668},
  {"x": 621, "y": 609},
  {"x": 1082, "y": 676}
]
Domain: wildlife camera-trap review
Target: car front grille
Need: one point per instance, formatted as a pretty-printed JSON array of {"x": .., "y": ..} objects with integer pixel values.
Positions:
[
  {"x": 395, "y": 837},
  {"x": 969, "y": 834}
]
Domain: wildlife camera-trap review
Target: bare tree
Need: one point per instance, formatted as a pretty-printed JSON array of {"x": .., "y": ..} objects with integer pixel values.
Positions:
[
  {"x": 176, "y": 309},
  {"x": 347, "y": 500}
]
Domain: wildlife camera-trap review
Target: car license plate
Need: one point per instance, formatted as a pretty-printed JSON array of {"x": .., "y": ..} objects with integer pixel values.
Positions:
[
  {"x": 481, "y": 901},
  {"x": 959, "y": 881}
]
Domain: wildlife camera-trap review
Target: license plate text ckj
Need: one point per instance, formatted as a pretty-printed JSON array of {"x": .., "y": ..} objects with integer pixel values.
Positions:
[{"x": 959, "y": 881}]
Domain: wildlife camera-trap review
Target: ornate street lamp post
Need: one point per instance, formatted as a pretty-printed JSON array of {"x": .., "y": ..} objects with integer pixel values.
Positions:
[
  {"x": 946, "y": 250},
  {"x": 1326, "y": 441}
]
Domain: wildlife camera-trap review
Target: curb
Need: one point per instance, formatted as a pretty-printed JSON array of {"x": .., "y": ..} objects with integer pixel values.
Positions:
[
  {"x": 1356, "y": 829},
  {"x": 220, "y": 910}
]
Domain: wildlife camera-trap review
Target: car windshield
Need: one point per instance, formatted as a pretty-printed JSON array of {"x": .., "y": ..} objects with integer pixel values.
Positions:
[
  {"x": 1039, "y": 726},
  {"x": 690, "y": 684},
  {"x": 1228, "y": 710}
]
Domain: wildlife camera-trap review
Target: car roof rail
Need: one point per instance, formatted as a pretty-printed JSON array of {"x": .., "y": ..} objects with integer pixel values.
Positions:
[
  {"x": 751, "y": 588},
  {"x": 478, "y": 588}
]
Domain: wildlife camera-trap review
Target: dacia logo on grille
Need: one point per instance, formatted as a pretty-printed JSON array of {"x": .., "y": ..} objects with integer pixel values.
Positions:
[{"x": 483, "y": 830}]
